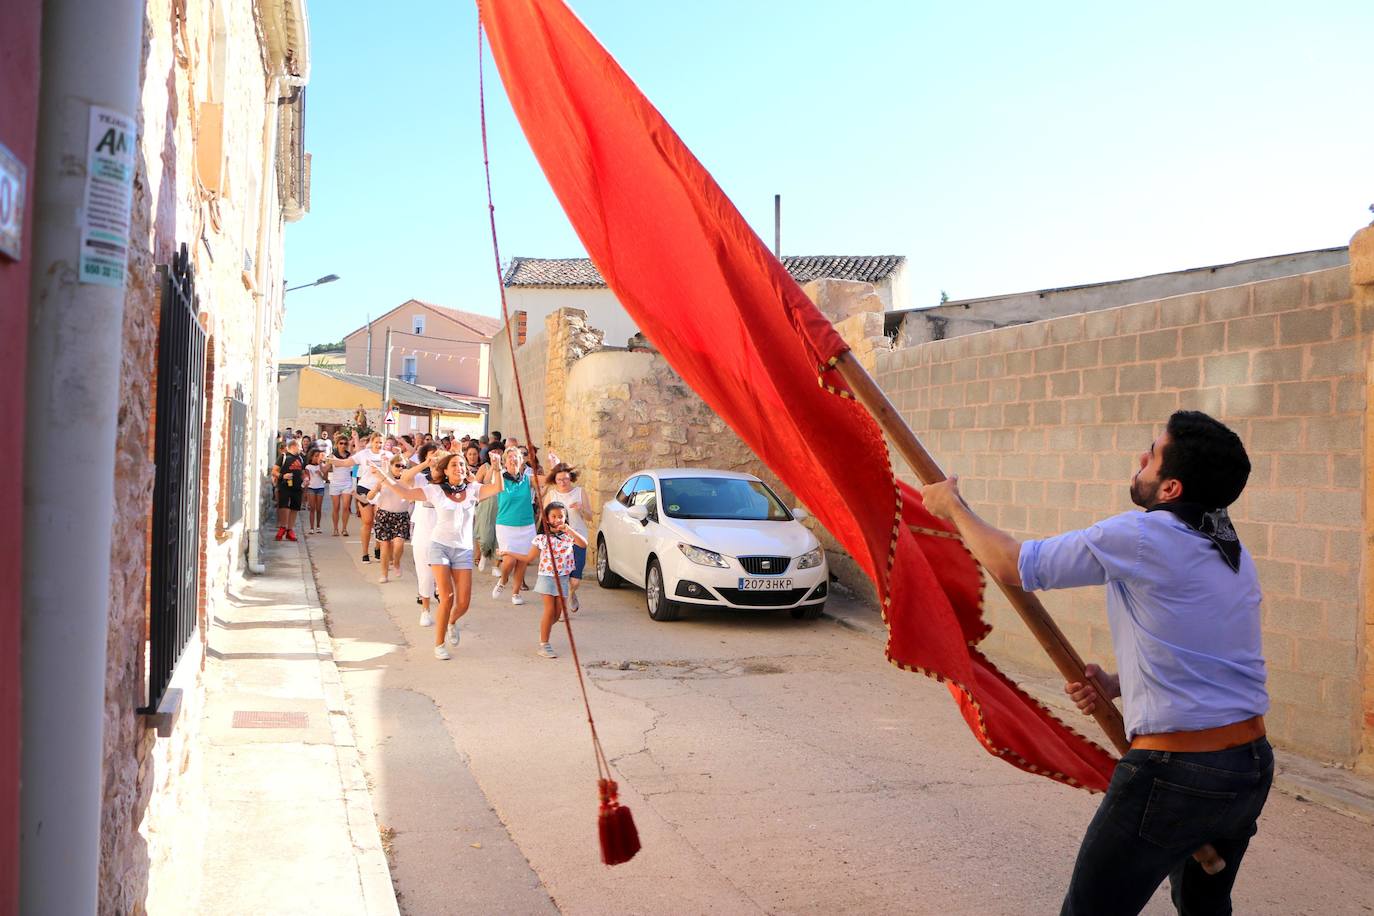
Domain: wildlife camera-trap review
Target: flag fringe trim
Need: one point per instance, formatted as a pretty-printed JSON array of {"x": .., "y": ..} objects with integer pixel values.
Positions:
[{"x": 983, "y": 736}]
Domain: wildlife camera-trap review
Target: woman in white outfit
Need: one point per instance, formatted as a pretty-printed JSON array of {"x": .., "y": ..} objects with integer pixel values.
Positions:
[
  {"x": 340, "y": 485},
  {"x": 368, "y": 478},
  {"x": 450, "y": 547},
  {"x": 421, "y": 526}
]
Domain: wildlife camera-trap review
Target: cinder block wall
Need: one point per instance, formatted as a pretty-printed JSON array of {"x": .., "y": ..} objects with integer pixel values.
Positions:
[{"x": 1044, "y": 423}]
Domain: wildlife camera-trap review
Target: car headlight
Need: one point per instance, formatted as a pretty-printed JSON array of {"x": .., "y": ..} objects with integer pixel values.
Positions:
[
  {"x": 810, "y": 559},
  {"x": 702, "y": 556}
]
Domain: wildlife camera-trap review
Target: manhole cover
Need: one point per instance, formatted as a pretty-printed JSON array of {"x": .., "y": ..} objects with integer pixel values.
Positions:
[{"x": 257, "y": 718}]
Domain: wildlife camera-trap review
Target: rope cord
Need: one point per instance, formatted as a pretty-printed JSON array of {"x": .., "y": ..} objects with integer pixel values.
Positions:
[{"x": 603, "y": 767}]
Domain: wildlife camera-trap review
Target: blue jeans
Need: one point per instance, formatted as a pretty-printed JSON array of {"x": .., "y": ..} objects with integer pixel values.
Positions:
[{"x": 1160, "y": 807}]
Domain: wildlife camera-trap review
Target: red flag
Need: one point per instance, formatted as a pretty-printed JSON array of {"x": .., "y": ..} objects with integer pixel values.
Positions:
[{"x": 731, "y": 321}]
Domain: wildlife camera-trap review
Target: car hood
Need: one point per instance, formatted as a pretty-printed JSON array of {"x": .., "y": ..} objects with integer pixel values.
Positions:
[{"x": 744, "y": 538}]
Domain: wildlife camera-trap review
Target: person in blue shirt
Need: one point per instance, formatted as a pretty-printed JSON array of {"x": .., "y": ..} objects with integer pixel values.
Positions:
[{"x": 1183, "y": 604}]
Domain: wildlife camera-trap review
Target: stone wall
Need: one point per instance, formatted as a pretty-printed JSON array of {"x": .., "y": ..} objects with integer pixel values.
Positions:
[
  {"x": 612, "y": 411},
  {"x": 151, "y": 815},
  {"x": 1044, "y": 423}
]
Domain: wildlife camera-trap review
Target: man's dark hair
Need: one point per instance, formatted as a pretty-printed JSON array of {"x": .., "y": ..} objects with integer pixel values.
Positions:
[
  {"x": 496, "y": 436},
  {"x": 426, "y": 450},
  {"x": 1206, "y": 457}
]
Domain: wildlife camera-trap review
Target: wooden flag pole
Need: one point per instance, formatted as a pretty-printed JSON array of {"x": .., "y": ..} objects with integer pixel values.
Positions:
[
  {"x": 1027, "y": 605},
  {"x": 1042, "y": 626}
]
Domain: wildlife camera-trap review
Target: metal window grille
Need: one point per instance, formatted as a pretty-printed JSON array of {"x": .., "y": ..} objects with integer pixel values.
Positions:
[
  {"x": 175, "y": 572},
  {"x": 238, "y": 456}
]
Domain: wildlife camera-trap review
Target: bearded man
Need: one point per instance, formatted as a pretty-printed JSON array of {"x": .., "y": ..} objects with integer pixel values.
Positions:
[{"x": 1183, "y": 604}]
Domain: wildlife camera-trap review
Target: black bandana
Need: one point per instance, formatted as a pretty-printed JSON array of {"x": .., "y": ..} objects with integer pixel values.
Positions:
[{"x": 1215, "y": 525}]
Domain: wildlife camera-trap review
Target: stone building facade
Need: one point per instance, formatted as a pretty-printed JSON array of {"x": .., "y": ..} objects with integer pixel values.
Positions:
[
  {"x": 218, "y": 77},
  {"x": 1044, "y": 422}
]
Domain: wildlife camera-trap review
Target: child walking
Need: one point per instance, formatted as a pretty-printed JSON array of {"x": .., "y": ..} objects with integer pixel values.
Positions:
[
  {"x": 554, "y": 550},
  {"x": 314, "y": 489}
]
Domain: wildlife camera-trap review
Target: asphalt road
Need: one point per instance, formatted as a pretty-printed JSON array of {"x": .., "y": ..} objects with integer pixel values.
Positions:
[{"x": 772, "y": 765}]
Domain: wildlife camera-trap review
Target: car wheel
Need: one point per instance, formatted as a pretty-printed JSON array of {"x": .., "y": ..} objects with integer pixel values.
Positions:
[
  {"x": 656, "y": 599},
  {"x": 808, "y": 611},
  {"x": 604, "y": 577}
]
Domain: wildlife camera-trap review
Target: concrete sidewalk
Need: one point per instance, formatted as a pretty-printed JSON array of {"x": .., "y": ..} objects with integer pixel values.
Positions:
[{"x": 290, "y": 823}]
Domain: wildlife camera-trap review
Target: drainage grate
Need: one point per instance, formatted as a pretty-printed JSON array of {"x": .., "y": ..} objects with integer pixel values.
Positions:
[{"x": 257, "y": 718}]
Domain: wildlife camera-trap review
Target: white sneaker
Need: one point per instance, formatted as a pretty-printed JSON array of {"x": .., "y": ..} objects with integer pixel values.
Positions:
[
  {"x": 482, "y": 563},
  {"x": 441, "y": 653},
  {"x": 426, "y": 618},
  {"x": 496, "y": 569},
  {"x": 516, "y": 599},
  {"x": 454, "y": 635},
  {"x": 497, "y": 590},
  {"x": 546, "y": 651}
]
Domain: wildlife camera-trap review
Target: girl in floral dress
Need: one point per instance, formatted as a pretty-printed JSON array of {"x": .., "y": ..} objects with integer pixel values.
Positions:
[{"x": 554, "y": 551}]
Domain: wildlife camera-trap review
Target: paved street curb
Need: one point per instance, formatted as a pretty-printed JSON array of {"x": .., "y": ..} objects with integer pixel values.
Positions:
[
  {"x": 374, "y": 871},
  {"x": 1307, "y": 780}
]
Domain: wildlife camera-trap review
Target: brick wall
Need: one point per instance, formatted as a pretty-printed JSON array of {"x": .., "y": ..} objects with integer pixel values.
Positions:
[{"x": 1044, "y": 422}]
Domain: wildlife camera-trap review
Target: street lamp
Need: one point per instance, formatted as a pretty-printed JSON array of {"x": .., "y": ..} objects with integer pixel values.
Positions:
[{"x": 327, "y": 278}]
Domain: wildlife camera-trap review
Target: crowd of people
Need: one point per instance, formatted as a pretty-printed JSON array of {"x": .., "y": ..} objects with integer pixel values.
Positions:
[{"x": 465, "y": 505}]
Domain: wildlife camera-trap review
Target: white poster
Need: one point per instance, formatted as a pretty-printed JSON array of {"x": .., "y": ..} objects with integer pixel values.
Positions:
[{"x": 109, "y": 198}]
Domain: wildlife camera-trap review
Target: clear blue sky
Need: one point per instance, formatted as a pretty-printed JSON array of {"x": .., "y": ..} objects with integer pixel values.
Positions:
[{"x": 999, "y": 146}]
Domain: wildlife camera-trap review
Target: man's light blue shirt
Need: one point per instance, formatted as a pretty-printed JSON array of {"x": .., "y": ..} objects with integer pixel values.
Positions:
[{"x": 1186, "y": 629}]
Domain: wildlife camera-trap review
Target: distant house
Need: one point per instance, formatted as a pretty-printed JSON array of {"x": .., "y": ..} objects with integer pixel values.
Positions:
[
  {"x": 540, "y": 286},
  {"x": 321, "y": 401},
  {"x": 325, "y": 359},
  {"x": 431, "y": 345}
]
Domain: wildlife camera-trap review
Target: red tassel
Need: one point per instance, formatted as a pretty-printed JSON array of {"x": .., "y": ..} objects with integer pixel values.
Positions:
[{"x": 619, "y": 838}]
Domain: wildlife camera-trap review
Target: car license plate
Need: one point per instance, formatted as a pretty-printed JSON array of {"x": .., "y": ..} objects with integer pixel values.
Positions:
[{"x": 765, "y": 585}]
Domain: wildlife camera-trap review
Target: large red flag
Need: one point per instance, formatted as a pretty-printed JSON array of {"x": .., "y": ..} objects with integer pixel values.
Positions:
[{"x": 731, "y": 321}]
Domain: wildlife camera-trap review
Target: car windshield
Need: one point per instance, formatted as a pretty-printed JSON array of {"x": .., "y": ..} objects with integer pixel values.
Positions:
[{"x": 721, "y": 497}]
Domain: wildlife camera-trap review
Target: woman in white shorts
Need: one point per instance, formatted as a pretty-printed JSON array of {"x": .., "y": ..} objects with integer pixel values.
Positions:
[
  {"x": 514, "y": 522},
  {"x": 421, "y": 527},
  {"x": 340, "y": 486},
  {"x": 450, "y": 546}
]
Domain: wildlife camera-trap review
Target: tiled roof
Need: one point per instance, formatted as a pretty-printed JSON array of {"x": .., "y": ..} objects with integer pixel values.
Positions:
[
  {"x": 404, "y": 392},
  {"x": 864, "y": 268},
  {"x": 485, "y": 325},
  {"x": 553, "y": 272},
  {"x": 582, "y": 273}
]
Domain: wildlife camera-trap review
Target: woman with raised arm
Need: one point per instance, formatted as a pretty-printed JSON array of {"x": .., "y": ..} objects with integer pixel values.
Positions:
[
  {"x": 391, "y": 524},
  {"x": 514, "y": 522},
  {"x": 484, "y": 525},
  {"x": 422, "y": 520},
  {"x": 340, "y": 486},
  {"x": 450, "y": 549},
  {"x": 368, "y": 478}
]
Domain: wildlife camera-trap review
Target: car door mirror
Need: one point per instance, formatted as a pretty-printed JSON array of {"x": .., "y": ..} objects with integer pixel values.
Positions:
[
  {"x": 800, "y": 514},
  {"x": 638, "y": 513}
]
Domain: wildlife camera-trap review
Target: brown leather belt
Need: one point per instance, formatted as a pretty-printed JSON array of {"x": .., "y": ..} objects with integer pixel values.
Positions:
[{"x": 1207, "y": 739}]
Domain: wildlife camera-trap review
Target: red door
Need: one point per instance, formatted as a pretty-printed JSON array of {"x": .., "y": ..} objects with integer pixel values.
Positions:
[{"x": 19, "y": 56}]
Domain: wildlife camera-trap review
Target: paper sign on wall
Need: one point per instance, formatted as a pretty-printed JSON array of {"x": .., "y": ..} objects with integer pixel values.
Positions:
[
  {"x": 109, "y": 198},
  {"x": 13, "y": 178}
]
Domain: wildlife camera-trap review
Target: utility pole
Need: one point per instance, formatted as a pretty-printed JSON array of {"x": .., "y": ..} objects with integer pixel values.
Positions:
[
  {"x": 386, "y": 382},
  {"x": 89, "y": 85},
  {"x": 777, "y": 226},
  {"x": 369, "y": 345}
]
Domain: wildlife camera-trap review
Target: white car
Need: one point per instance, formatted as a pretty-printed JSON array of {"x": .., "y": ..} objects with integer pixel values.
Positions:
[{"x": 698, "y": 538}]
